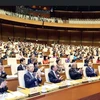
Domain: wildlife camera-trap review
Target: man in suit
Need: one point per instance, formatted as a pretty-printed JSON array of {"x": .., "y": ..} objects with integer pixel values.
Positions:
[
  {"x": 2, "y": 72},
  {"x": 74, "y": 72},
  {"x": 3, "y": 86},
  {"x": 86, "y": 61},
  {"x": 31, "y": 78},
  {"x": 54, "y": 76},
  {"x": 31, "y": 60},
  {"x": 22, "y": 65},
  {"x": 90, "y": 71}
]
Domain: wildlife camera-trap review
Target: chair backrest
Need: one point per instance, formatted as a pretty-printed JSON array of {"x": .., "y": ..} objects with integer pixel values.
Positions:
[
  {"x": 99, "y": 69},
  {"x": 53, "y": 60},
  {"x": 80, "y": 65},
  {"x": 47, "y": 70},
  {"x": 40, "y": 60},
  {"x": 11, "y": 61},
  {"x": 63, "y": 60},
  {"x": 26, "y": 59},
  {"x": 67, "y": 72},
  {"x": 84, "y": 71},
  {"x": 95, "y": 59},
  {"x": 21, "y": 78},
  {"x": 14, "y": 68}
]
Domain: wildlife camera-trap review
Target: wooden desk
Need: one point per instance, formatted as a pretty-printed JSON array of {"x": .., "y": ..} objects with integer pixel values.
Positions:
[
  {"x": 96, "y": 66},
  {"x": 8, "y": 69},
  {"x": 12, "y": 84},
  {"x": 71, "y": 93},
  {"x": 5, "y": 62},
  {"x": 18, "y": 61},
  {"x": 79, "y": 61}
]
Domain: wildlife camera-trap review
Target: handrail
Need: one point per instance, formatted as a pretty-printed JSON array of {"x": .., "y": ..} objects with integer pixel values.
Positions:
[
  {"x": 20, "y": 20},
  {"x": 64, "y": 25}
]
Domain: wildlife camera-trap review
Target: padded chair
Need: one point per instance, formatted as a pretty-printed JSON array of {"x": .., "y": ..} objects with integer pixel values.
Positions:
[
  {"x": 63, "y": 60},
  {"x": 11, "y": 61},
  {"x": 40, "y": 60},
  {"x": 99, "y": 69},
  {"x": 26, "y": 59},
  {"x": 14, "y": 68},
  {"x": 84, "y": 71},
  {"x": 21, "y": 78},
  {"x": 80, "y": 65},
  {"x": 52, "y": 59},
  {"x": 67, "y": 73},
  {"x": 47, "y": 70}
]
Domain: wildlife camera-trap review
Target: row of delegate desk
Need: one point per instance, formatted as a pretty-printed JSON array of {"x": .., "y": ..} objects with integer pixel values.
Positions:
[
  {"x": 13, "y": 84},
  {"x": 76, "y": 90},
  {"x": 14, "y": 80}
]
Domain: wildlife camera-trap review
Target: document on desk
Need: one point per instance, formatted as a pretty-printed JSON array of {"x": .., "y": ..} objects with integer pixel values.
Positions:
[
  {"x": 14, "y": 95},
  {"x": 35, "y": 90},
  {"x": 49, "y": 87},
  {"x": 7, "y": 96}
]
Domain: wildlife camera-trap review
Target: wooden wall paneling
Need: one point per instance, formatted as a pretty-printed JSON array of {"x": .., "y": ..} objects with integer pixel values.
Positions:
[
  {"x": 53, "y": 35},
  {"x": 19, "y": 32},
  {"x": 31, "y": 33},
  {"x": 96, "y": 38},
  {"x": 42, "y": 34},
  {"x": 76, "y": 37},
  {"x": 97, "y": 14},
  {"x": 7, "y": 31},
  {"x": 64, "y": 36},
  {"x": 87, "y": 37}
]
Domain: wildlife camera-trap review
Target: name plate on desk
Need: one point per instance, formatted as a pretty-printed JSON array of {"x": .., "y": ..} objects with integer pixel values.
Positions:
[
  {"x": 35, "y": 90},
  {"x": 49, "y": 87},
  {"x": 63, "y": 84}
]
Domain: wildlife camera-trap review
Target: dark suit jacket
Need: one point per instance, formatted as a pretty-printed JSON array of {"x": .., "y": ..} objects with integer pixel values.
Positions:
[
  {"x": 5, "y": 56},
  {"x": 30, "y": 81},
  {"x": 20, "y": 68},
  {"x": 4, "y": 89},
  {"x": 89, "y": 72},
  {"x": 3, "y": 75},
  {"x": 29, "y": 61},
  {"x": 53, "y": 78},
  {"x": 74, "y": 74}
]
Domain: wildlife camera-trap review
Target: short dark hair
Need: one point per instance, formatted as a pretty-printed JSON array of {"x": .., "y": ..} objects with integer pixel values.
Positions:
[
  {"x": 52, "y": 66},
  {"x": 73, "y": 60},
  {"x": 57, "y": 61},
  {"x": 22, "y": 59},
  {"x": 45, "y": 57}
]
